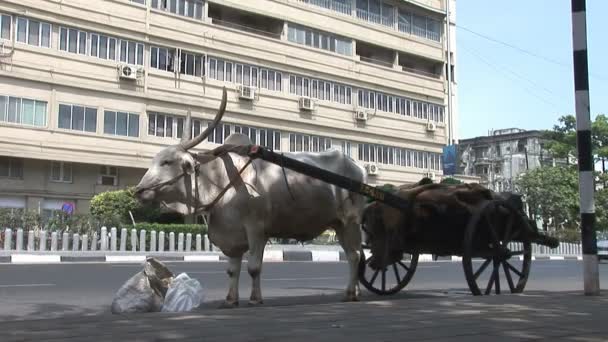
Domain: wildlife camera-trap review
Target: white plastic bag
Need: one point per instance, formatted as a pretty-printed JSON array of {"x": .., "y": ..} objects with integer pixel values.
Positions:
[
  {"x": 184, "y": 294},
  {"x": 144, "y": 291}
]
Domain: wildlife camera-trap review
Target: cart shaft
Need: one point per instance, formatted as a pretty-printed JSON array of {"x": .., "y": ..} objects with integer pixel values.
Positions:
[{"x": 258, "y": 152}]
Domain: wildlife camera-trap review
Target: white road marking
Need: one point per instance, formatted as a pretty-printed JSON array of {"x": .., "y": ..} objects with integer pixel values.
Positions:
[
  {"x": 26, "y": 285},
  {"x": 300, "y": 279}
]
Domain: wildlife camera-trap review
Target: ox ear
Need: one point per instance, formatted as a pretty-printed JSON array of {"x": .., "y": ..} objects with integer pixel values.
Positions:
[{"x": 188, "y": 163}]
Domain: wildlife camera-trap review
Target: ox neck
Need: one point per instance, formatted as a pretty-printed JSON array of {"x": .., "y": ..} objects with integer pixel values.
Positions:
[{"x": 214, "y": 179}]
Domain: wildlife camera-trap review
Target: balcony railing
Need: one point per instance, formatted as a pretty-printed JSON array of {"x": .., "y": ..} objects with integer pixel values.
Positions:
[
  {"x": 336, "y": 6},
  {"x": 375, "y": 18},
  {"x": 376, "y": 61}
]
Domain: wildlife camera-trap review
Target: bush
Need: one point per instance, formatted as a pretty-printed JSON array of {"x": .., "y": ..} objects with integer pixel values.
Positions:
[
  {"x": 450, "y": 181},
  {"x": 113, "y": 207},
  {"x": 567, "y": 235}
]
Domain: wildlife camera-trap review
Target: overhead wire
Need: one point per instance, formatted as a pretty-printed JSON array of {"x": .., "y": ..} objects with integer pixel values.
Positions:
[
  {"x": 527, "y": 52},
  {"x": 510, "y": 75}
]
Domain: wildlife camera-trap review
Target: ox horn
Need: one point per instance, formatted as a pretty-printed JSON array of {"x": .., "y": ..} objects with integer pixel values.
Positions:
[
  {"x": 188, "y": 144},
  {"x": 187, "y": 133}
]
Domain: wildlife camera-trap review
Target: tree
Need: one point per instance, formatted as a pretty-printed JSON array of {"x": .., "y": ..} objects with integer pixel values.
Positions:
[
  {"x": 561, "y": 141},
  {"x": 599, "y": 135},
  {"x": 552, "y": 194}
]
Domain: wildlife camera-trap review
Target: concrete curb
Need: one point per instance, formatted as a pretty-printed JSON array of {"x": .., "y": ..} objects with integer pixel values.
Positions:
[{"x": 271, "y": 255}]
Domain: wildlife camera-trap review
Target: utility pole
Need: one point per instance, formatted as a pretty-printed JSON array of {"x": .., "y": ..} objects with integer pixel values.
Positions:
[
  {"x": 583, "y": 142},
  {"x": 449, "y": 74}
]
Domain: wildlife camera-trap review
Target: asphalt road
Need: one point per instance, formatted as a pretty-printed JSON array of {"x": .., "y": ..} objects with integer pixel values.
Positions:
[{"x": 44, "y": 291}]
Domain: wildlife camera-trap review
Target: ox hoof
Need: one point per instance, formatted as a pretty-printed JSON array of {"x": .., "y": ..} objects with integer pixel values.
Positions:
[
  {"x": 255, "y": 302},
  {"x": 350, "y": 297},
  {"x": 229, "y": 305}
]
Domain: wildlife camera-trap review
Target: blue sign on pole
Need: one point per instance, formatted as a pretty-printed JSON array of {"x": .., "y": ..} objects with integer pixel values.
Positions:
[
  {"x": 68, "y": 208},
  {"x": 449, "y": 160}
]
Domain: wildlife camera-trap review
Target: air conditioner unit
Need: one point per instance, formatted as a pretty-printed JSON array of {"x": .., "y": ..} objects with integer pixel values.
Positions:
[
  {"x": 361, "y": 115},
  {"x": 431, "y": 126},
  {"x": 128, "y": 72},
  {"x": 247, "y": 93},
  {"x": 430, "y": 175},
  {"x": 306, "y": 103},
  {"x": 372, "y": 169}
]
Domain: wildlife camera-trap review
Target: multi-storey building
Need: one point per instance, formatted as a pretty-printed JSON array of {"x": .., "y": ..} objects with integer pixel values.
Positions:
[
  {"x": 91, "y": 90},
  {"x": 499, "y": 158}
]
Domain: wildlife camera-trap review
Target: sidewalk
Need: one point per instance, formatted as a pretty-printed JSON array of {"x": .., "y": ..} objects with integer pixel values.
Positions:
[{"x": 414, "y": 316}]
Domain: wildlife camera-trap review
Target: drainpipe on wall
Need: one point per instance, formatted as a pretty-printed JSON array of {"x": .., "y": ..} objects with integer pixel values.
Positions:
[{"x": 449, "y": 61}]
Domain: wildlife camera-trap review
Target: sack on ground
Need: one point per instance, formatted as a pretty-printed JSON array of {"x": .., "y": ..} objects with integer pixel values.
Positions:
[
  {"x": 184, "y": 294},
  {"x": 145, "y": 291}
]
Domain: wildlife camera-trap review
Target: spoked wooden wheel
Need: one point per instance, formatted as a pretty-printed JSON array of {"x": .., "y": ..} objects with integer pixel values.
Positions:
[
  {"x": 390, "y": 279},
  {"x": 490, "y": 254}
]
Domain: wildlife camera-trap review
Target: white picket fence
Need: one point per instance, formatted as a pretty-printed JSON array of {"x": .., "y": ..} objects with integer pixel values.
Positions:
[
  {"x": 563, "y": 249},
  {"x": 105, "y": 241},
  {"x": 131, "y": 241}
]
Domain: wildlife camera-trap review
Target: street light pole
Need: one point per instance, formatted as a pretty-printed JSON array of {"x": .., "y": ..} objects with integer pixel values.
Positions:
[{"x": 583, "y": 141}]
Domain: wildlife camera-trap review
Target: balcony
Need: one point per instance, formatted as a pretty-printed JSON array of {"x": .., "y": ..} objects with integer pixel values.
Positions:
[
  {"x": 245, "y": 21},
  {"x": 375, "y": 54},
  {"x": 420, "y": 66}
]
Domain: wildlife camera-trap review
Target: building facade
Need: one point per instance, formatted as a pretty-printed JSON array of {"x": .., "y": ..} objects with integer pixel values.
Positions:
[
  {"x": 91, "y": 90},
  {"x": 499, "y": 158}
]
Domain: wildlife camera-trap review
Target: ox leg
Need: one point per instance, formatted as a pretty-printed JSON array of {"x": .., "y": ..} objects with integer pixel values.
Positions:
[
  {"x": 350, "y": 240},
  {"x": 233, "y": 270},
  {"x": 254, "y": 267}
]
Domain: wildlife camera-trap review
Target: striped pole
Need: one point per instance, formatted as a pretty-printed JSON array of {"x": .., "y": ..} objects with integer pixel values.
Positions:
[{"x": 583, "y": 141}]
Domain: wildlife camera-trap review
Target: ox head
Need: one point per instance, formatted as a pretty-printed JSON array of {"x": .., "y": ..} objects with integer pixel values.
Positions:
[{"x": 168, "y": 180}]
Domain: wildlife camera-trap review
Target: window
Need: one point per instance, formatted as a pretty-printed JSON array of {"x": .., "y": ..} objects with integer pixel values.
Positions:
[
  {"x": 249, "y": 75},
  {"x": 108, "y": 175},
  {"x": 61, "y": 172},
  {"x": 78, "y": 118},
  {"x": 131, "y": 52},
  {"x": 307, "y": 143},
  {"x": 165, "y": 125},
  {"x": 121, "y": 123},
  {"x": 162, "y": 58},
  {"x": 22, "y": 111},
  {"x": 319, "y": 89},
  {"x": 191, "y": 64},
  {"x": 5, "y": 26},
  {"x": 186, "y": 8},
  {"x": 346, "y": 148},
  {"x": 320, "y": 40},
  {"x": 33, "y": 32},
  {"x": 11, "y": 168},
  {"x": 75, "y": 41}
]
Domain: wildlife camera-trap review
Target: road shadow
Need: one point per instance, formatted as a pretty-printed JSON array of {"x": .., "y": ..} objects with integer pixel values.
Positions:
[{"x": 433, "y": 316}]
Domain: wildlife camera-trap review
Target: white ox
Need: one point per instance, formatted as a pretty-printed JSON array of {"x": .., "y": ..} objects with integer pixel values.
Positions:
[{"x": 259, "y": 204}]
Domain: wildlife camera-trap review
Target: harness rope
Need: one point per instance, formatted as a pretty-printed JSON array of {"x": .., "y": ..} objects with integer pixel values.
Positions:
[{"x": 205, "y": 207}]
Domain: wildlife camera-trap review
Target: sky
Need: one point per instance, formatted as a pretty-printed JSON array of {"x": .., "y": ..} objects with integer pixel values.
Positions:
[{"x": 503, "y": 87}]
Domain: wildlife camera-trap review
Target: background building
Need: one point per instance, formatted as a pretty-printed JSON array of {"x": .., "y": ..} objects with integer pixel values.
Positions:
[
  {"x": 91, "y": 90},
  {"x": 499, "y": 158}
]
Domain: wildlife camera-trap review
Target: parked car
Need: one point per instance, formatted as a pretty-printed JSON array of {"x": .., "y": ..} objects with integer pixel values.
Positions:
[{"x": 602, "y": 249}]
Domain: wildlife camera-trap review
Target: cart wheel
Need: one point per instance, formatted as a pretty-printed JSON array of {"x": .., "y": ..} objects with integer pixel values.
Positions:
[
  {"x": 389, "y": 280},
  {"x": 490, "y": 236}
]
